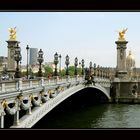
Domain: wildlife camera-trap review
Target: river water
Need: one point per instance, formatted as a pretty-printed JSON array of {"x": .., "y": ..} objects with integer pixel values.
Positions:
[{"x": 77, "y": 114}]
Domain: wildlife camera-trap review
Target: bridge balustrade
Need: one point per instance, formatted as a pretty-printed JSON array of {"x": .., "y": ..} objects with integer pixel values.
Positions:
[
  {"x": 31, "y": 91},
  {"x": 30, "y": 94}
]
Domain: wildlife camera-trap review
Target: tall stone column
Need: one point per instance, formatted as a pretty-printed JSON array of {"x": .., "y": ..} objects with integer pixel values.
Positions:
[
  {"x": 12, "y": 44},
  {"x": 121, "y": 58}
]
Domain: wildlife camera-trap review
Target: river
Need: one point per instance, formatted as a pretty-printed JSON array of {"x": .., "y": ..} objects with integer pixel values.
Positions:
[{"x": 76, "y": 114}]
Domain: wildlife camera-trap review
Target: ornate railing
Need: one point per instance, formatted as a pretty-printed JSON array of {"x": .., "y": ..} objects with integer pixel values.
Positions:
[{"x": 19, "y": 94}]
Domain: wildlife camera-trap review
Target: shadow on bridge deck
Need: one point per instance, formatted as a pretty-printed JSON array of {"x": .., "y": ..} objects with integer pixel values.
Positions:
[{"x": 78, "y": 101}]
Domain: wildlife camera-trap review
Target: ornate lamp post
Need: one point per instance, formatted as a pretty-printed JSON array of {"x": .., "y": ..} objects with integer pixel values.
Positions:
[
  {"x": 83, "y": 66},
  {"x": 18, "y": 58},
  {"x": 94, "y": 69},
  {"x": 98, "y": 71},
  {"x": 101, "y": 72},
  {"x": 67, "y": 64},
  {"x": 60, "y": 64},
  {"x": 76, "y": 64},
  {"x": 40, "y": 60},
  {"x": 27, "y": 48},
  {"x": 90, "y": 67},
  {"x": 55, "y": 62}
]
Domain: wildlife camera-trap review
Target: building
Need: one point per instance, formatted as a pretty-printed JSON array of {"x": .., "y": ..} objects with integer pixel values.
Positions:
[
  {"x": 33, "y": 56},
  {"x": 3, "y": 60},
  {"x": 130, "y": 64},
  {"x": 3, "y": 63}
]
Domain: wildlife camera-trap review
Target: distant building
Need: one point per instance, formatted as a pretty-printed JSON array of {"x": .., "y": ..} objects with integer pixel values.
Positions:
[
  {"x": 3, "y": 60},
  {"x": 3, "y": 63},
  {"x": 33, "y": 56},
  {"x": 130, "y": 64},
  {"x": 50, "y": 64}
]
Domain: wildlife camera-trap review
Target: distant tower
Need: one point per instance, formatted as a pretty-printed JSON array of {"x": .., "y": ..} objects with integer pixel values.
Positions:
[
  {"x": 12, "y": 44},
  {"x": 121, "y": 55},
  {"x": 33, "y": 56}
]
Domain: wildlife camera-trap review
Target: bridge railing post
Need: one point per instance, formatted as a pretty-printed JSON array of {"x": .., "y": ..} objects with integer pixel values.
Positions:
[
  {"x": 16, "y": 118},
  {"x": 18, "y": 83},
  {"x": 2, "y": 114},
  {"x": 30, "y": 83},
  {"x": 41, "y": 81},
  {"x": 76, "y": 77},
  {"x": 67, "y": 78},
  {"x": 3, "y": 87},
  {"x": 2, "y": 121}
]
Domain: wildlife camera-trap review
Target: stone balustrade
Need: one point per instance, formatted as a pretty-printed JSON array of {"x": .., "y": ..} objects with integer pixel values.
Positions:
[{"x": 18, "y": 95}]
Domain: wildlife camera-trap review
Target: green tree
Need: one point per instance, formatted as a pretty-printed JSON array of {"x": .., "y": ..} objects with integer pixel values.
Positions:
[
  {"x": 63, "y": 73},
  {"x": 71, "y": 70},
  {"x": 48, "y": 71}
]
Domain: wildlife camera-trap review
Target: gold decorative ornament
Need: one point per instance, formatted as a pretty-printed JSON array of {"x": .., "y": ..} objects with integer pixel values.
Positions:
[
  {"x": 12, "y": 33},
  {"x": 31, "y": 97},
  {"x": 121, "y": 34},
  {"x": 4, "y": 103}
]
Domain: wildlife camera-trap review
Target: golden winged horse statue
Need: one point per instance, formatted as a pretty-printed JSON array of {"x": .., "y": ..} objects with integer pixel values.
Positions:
[
  {"x": 12, "y": 33},
  {"x": 121, "y": 34}
]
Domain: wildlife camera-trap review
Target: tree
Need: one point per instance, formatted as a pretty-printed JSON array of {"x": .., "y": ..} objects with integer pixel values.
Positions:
[
  {"x": 48, "y": 71},
  {"x": 63, "y": 72},
  {"x": 71, "y": 70}
]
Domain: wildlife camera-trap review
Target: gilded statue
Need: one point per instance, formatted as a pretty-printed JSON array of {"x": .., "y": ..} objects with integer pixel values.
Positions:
[
  {"x": 121, "y": 34},
  {"x": 12, "y": 33}
]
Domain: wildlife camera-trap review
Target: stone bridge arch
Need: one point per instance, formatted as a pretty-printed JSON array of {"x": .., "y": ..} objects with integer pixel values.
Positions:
[{"x": 38, "y": 113}]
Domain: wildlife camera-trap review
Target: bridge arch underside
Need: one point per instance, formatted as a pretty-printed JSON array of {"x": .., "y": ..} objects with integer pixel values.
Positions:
[{"x": 86, "y": 97}]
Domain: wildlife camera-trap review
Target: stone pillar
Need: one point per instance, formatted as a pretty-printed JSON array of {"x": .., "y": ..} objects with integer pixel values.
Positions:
[
  {"x": 30, "y": 83},
  {"x": 41, "y": 81},
  {"x": 16, "y": 115},
  {"x": 2, "y": 114},
  {"x": 16, "y": 118},
  {"x": 29, "y": 111},
  {"x": 121, "y": 58},
  {"x": 116, "y": 89},
  {"x": 18, "y": 83},
  {"x": 3, "y": 87},
  {"x": 12, "y": 44},
  {"x": 2, "y": 121}
]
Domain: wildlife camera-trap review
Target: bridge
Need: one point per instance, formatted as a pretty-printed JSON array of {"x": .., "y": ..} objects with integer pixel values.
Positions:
[
  {"x": 24, "y": 102},
  {"x": 38, "y": 97}
]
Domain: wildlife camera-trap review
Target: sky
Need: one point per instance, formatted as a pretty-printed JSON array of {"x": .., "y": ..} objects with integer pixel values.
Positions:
[{"x": 86, "y": 35}]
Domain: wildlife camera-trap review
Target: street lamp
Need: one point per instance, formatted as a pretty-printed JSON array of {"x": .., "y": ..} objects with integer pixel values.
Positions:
[
  {"x": 98, "y": 71},
  {"x": 90, "y": 67},
  {"x": 60, "y": 64},
  {"x": 55, "y": 62},
  {"x": 83, "y": 66},
  {"x": 40, "y": 60},
  {"x": 76, "y": 64},
  {"x": 67, "y": 63},
  {"x": 27, "y": 48},
  {"x": 94, "y": 69},
  {"x": 18, "y": 58}
]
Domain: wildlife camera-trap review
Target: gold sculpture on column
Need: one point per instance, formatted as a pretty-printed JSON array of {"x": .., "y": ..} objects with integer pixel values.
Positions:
[
  {"x": 12, "y": 33},
  {"x": 121, "y": 34}
]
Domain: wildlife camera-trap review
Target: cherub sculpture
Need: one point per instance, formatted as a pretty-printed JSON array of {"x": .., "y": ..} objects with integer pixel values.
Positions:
[
  {"x": 121, "y": 34},
  {"x": 12, "y": 33}
]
